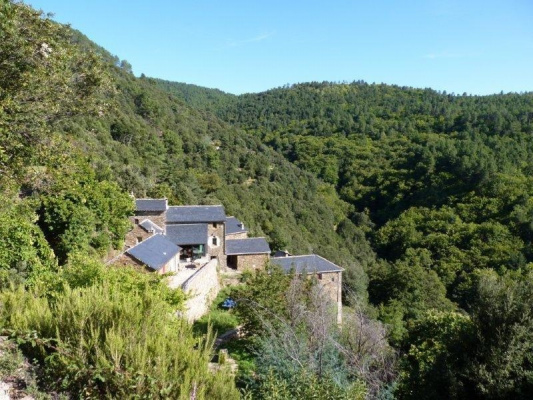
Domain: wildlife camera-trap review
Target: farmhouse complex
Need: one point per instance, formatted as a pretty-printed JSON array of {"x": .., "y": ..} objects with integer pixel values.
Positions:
[{"x": 190, "y": 241}]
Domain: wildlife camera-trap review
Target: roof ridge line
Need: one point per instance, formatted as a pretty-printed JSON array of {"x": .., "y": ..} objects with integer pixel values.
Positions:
[
  {"x": 303, "y": 255},
  {"x": 199, "y": 205},
  {"x": 149, "y": 220},
  {"x": 254, "y": 237}
]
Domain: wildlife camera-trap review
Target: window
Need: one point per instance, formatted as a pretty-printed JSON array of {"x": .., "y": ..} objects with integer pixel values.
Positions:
[
  {"x": 139, "y": 239},
  {"x": 136, "y": 221},
  {"x": 320, "y": 276},
  {"x": 215, "y": 241},
  {"x": 332, "y": 279},
  {"x": 215, "y": 225}
]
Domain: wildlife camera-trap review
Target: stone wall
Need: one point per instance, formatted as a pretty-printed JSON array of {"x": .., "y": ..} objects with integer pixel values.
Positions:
[
  {"x": 159, "y": 218},
  {"x": 251, "y": 261},
  {"x": 133, "y": 235},
  {"x": 125, "y": 259},
  {"x": 202, "y": 288},
  {"x": 240, "y": 235}
]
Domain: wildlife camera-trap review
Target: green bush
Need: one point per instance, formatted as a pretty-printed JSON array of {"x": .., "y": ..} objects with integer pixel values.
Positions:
[{"x": 100, "y": 342}]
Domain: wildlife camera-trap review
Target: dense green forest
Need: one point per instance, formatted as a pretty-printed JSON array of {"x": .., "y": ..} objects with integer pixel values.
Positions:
[
  {"x": 425, "y": 198},
  {"x": 441, "y": 185}
]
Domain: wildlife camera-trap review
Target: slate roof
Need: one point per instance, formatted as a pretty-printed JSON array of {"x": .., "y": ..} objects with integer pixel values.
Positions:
[
  {"x": 150, "y": 226},
  {"x": 150, "y": 204},
  {"x": 187, "y": 234},
  {"x": 195, "y": 214},
  {"x": 311, "y": 264},
  {"x": 154, "y": 252},
  {"x": 233, "y": 225},
  {"x": 247, "y": 246}
]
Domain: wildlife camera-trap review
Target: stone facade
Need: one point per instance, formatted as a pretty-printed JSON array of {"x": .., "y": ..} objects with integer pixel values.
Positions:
[
  {"x": 158, "y": 218},
  {"x": 240, "y": 235},
  {"x": 243, "y": 262},
  {"x": 331, "y": 282},
  {"x": 138, "y": 233},
  {"x": 216, "y": 231}
]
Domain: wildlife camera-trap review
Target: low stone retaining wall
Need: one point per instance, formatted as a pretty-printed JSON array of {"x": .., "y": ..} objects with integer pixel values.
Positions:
[{"x": 202, "y": 288}]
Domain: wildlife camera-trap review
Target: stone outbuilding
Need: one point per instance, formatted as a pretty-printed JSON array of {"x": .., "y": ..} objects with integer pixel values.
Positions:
[
  {"x": 156, "y": 253},
  {"x": 249, "y": 253},
  {"x": 328, "y": 274}
]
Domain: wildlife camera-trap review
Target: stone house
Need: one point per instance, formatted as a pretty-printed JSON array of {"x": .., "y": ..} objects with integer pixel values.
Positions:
[
  {"x": 248, "y": 253},
  {"x": 203, "y": 225},
  {"x": 235, "y": 229},
  {"x": 329, "y": 275},
  {"x": 156, "y": 253},
  {"x": 149, "y": 219}
]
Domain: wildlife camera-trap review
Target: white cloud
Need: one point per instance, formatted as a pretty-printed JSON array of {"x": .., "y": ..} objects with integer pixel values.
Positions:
[{"x": 259, "y": 38}]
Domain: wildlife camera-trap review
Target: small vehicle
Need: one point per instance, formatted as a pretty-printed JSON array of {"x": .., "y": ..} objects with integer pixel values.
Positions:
[{"x": 229, "y": 303}]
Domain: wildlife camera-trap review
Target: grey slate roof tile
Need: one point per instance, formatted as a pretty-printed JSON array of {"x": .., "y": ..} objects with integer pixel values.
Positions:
[
  {"x": 187, "y": 234},
  {"x": 195, "y": 214},
  {"x": 154, "y": 252},
  {"x": 233, "y": 225},
  {"x": 311, "y": 264},
  {"x": 150, "y": 205},
  {"x": 247, "y": 246},
  {"x": 150, "y": 226}
]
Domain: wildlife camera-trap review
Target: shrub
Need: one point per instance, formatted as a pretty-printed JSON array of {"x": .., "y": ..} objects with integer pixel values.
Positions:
[{"x": 100, "y": 342}]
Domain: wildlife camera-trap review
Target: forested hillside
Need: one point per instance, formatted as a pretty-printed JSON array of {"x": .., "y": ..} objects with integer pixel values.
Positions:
[
  {"x": 78, "y": 134},
  {"x": 442, "y": 185},
  {"x": 425, "y": 198}
]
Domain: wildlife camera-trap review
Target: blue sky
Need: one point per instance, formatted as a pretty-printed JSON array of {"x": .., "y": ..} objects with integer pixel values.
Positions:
[{"x": 478, "y": 47}]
